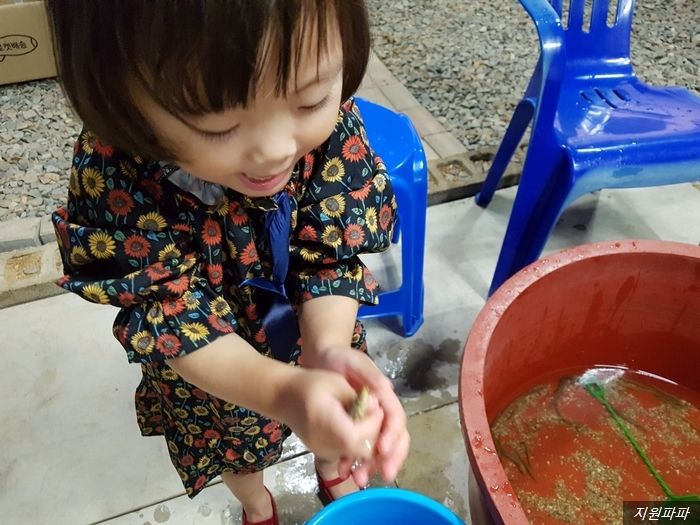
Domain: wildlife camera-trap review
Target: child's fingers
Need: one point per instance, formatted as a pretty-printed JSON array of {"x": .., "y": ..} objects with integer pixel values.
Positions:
[
  {"x": 363, "y": 371},
  {"x": 366, "y": 372},
  {"x": 345, "y": 467},
  {"x": 391, "y": 463},
  {"x": 371, "y": 406},
  {"x": 363, "y": 472},
  {"x": 394, "y": 424},
  {"x": 355, "y": 439},
  {"x": 368, "y": 429},
  {"x": 393, "y": 441}
]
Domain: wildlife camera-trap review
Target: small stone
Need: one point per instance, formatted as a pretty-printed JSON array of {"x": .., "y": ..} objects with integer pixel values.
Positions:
[{"x": 49, "y": 178}]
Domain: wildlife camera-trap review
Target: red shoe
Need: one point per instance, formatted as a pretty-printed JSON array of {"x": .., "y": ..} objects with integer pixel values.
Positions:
[
  {"x": 324, "y": 488},
  {"x": 274, "y": 520}
]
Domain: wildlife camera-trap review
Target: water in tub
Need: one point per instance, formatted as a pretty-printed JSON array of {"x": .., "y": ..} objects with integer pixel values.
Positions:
[{"x": 578, "y": 445}]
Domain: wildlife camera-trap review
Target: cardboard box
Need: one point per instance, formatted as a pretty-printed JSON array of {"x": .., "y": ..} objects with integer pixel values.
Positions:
[{"x": 26, "y": 50}]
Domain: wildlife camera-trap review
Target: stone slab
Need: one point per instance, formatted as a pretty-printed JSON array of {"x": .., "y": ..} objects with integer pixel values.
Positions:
[
  {"x": 19, "y": 233},
  {"x": 47, "y": 233},
  {"x": 445, "y": 144},
  {"x": 430, "y": 153},
  {"x": 461, "y": 176},
  {"x": 29, "y": 274},
  {"x": 379, "y": 73},
  {"x": 424, "y": 122},
  {"x": 374, "y": 94},
  {"x": 400, "y": 97}
]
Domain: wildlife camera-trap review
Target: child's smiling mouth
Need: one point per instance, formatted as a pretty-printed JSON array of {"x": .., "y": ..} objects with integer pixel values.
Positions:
[{"x": 268, "y": 183}]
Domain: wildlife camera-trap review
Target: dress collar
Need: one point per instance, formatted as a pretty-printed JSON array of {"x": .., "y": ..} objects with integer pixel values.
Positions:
[{"x": 212, "y": 194}]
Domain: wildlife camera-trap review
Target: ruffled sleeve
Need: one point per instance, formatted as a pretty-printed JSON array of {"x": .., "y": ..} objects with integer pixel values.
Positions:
[
  {"x": 125, "y": 241},
  {"x": 348, "y": 208}
]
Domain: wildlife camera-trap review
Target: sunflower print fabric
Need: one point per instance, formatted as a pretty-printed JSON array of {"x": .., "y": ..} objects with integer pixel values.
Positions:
[{"x": 132, "y": 238}]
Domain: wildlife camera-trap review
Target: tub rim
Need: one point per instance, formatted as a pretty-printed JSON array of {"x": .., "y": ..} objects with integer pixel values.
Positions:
[{"x": 476, "y": 430}]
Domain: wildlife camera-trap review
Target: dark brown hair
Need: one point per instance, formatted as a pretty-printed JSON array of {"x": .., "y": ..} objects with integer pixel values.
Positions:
[{"x": 189, "y": 56}]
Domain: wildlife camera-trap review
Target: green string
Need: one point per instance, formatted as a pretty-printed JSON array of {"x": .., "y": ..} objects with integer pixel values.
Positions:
[{"x": 598, "y": 392}]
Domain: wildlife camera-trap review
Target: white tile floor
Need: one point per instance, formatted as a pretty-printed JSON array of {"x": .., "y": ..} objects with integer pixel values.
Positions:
[{"x": 71, "y": 452}]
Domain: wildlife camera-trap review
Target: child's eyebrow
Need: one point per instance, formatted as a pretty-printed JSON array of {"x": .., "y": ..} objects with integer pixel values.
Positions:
[{"x": 330, "y": 72}]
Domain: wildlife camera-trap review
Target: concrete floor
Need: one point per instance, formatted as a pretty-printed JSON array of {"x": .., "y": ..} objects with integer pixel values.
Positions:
[{"x": 71, "y": 450}]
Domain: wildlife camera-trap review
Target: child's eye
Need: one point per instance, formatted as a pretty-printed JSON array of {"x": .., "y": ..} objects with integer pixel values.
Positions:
[
  {"x": 318, "y": 105},
  {"x": 216, "y": 136}
]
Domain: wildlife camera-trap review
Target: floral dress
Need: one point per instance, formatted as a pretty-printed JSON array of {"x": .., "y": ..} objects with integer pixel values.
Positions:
[{"x": 173, "y": 261}]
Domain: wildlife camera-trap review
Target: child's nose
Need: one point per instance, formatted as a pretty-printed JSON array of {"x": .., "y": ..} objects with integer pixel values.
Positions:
[{"x": 274, "y": 148}]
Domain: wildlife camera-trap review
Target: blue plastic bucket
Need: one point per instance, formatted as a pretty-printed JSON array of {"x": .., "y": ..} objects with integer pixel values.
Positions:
[{"x": 385, "y": 506}]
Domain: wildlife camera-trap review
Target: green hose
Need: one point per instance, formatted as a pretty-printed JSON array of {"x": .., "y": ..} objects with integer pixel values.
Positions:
[{"x": 598, "y": 392}]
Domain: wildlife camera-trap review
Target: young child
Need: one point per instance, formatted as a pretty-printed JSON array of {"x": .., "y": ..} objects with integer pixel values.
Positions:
[{"x": 220, "y": 194}]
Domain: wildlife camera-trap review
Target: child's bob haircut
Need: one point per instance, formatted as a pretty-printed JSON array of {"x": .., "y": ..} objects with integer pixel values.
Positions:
[{"x": 190, "y": 56}]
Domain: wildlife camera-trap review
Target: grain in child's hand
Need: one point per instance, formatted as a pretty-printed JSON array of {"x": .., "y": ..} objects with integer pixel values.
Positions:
[{"x": 359, "y": 406}]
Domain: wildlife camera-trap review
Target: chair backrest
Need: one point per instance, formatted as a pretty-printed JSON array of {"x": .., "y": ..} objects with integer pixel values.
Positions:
[{"x": 597, "y": 35}]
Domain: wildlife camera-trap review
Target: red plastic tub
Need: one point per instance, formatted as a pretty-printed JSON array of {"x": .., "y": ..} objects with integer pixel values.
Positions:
[{"x": 627, "y": 303}]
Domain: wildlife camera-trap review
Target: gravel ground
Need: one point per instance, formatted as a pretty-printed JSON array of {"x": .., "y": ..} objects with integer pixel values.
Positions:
[{"x": 466, "y": 62}]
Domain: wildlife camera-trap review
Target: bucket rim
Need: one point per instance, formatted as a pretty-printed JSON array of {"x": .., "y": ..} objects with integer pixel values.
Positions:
[{"x": 329, "y": 514}]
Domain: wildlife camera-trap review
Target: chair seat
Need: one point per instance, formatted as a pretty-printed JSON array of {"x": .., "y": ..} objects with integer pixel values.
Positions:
[
  {"x": 595, "y": 118},
  {"x": 390, "y": 133}
]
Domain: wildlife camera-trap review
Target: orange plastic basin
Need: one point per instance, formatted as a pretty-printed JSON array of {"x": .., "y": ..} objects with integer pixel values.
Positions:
[{"x": 626, "y": 303}]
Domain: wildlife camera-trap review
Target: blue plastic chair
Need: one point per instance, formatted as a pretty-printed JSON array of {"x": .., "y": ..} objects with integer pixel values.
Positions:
[
  {"x": 385, "y": 506},
  {"x": 393, "y": 137},
  {"x": 596, "y": 125}
]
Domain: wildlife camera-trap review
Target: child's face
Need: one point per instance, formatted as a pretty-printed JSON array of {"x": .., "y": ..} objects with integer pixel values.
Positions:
[{"x": 253, "y": 150}]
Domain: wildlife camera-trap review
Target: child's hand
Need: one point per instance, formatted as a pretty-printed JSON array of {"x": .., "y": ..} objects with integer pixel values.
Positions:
[
  {"x": 316, "y": 404},
  {"x": 391, "y": 448}
]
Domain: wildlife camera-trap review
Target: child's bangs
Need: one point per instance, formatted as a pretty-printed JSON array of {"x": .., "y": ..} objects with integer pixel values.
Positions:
[
  {"x": 191, "y": 56},
  {"x": 217, "y": 60}
]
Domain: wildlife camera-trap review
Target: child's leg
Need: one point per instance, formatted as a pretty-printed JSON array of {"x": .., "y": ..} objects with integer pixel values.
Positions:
[
  {"x": 328, "y": 470},
  {"x": 250, "y": 491}
]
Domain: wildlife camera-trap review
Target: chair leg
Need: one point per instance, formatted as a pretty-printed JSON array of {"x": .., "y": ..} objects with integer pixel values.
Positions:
[
  {"x": 539, "y": 202},
  {"x": 514, "y": 133},
  {"x": 407, "y": 300},
  {"x": 412, "y": 257}
]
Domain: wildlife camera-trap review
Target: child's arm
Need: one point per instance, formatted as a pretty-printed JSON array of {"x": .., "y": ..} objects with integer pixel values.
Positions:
[
  {"x": 348, "y": 208},
  {"x": 326, "y": 322},
  {"x": 327, "y": 325}
]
